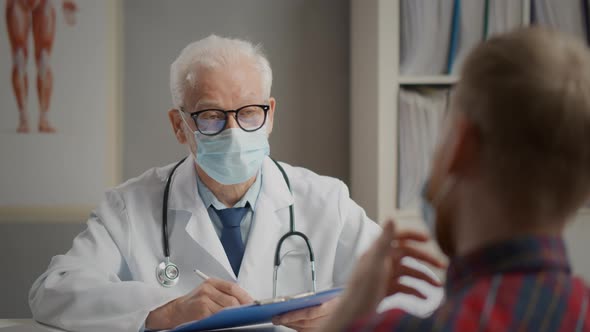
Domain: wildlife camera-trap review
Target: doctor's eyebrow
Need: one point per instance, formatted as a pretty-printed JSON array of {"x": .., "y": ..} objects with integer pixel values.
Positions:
[{"x": 206, "y": 104}]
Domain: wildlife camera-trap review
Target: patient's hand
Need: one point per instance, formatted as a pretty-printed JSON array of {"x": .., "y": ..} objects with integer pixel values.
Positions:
[{"x": 377, "y": 275}]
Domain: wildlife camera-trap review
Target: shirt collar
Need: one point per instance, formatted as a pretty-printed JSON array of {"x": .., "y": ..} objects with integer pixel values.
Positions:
[
  {"x": 523, "y": 254},
  {"x": 249, "y": 198}
]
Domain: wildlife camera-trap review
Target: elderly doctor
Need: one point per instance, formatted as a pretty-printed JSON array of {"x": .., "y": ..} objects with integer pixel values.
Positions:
[{"x": 222, "y": 210}]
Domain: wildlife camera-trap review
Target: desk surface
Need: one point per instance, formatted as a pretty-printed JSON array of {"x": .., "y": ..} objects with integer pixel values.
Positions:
[{"x": 31, "y": 325}]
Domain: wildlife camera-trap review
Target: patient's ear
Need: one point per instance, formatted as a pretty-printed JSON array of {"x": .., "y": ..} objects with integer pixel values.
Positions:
[
  {"x": 177, "y": 125},
  {"x": 463, "y": 145}
]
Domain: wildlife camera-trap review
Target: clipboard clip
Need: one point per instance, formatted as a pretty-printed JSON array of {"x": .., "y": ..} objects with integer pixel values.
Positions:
[{"x": 283, "y": 298}]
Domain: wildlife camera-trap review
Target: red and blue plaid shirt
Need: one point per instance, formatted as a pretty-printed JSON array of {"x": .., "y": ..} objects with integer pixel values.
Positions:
[{"x": 520, "y": 285}]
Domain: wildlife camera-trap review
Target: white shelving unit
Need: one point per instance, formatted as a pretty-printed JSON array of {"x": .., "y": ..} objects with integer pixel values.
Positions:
[
  {"x": 373, "y": 121},
  {"x": 427, "y": 80},
  {"x": 375, "y": 84}
]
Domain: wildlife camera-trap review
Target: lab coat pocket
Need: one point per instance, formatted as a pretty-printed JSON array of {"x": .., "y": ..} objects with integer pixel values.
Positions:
[{"x": 294, "y": 275}]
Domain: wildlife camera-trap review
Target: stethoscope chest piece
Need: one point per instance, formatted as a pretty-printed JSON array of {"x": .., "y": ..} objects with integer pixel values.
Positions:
[{"x": 167, "y": 273}]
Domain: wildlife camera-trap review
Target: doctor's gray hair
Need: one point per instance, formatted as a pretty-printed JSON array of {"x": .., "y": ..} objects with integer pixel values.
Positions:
[{"x": 211, "y": 52}]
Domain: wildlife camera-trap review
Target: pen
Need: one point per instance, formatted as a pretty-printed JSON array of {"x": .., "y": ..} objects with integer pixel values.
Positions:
[{"x": 201, "y": 274}]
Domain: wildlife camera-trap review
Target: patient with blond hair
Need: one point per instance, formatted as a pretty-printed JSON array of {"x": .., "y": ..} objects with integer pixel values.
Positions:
[{"x": 512, "y": 167}]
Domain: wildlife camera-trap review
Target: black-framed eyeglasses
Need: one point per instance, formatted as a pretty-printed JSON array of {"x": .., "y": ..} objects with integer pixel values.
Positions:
[{"x": 211, "y": 122}]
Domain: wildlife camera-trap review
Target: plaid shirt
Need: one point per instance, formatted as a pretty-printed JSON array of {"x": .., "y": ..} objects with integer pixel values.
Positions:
[{"x": 523, "y": 284}]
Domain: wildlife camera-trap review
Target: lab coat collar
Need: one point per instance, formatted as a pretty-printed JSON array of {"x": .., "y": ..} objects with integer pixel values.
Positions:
[
  {"x": 274, "y": 187},
  {"x": 184, "y": 197},
  {"x": 251, "y": 196},
  {"x": 183, "y": 189},
  {"x": 271, "y": 221}
]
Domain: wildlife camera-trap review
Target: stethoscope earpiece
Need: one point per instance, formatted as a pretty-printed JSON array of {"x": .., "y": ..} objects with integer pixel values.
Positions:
[{"x": 167, "y": 273}]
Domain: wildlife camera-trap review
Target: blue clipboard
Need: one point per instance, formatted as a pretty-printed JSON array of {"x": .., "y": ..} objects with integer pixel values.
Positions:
[{"x": 258, "y": 313}]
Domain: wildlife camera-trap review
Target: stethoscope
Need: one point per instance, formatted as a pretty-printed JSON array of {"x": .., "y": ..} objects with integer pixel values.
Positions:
[{"x": 168, "y": 273}]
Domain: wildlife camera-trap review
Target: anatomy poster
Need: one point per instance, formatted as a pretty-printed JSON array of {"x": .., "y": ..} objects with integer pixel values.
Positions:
[{"x": 58, "y": 105}]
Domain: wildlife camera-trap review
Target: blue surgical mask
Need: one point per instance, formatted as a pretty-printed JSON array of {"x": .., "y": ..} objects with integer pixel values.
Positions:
[{"x": 232, "y": 156}]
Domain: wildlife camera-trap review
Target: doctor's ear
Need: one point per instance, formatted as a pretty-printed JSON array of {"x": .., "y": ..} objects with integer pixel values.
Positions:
[
  {"x": 271, "y": 115},
  {"x": 177, "y": 125}
]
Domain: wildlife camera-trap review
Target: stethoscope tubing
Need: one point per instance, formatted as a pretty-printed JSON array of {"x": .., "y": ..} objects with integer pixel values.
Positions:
[{"x": 277, "y": 260}]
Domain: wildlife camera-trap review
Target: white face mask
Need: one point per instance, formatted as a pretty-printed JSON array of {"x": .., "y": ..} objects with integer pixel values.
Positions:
[{"x": 232, "y": 156}]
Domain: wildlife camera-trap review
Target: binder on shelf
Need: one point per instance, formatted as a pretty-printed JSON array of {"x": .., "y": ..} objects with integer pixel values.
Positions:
[
  {"x": 486, "y": 18},
  {"x": 503, "y": 16},
  {"x": 454, "y": 36},
  {"x": 476, "y": 20},
  {"x": 567, "y": 16},
  {"x": 420, "y": 115},
  {"x": 469, "y": 27},
  {"x": 586, "y": 17},
  {"x": 424, "y": 36}
]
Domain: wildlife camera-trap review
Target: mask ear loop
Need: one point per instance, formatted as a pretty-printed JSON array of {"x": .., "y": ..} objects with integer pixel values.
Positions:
[
  {"x": 191, "y": 130},
  {"x": 181, "y": 113}
]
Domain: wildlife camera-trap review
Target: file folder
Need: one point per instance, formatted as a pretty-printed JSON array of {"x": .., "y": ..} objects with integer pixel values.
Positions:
[
  {"x": 420, "y": 115},
  {"x": 585, "y": 13},
  {"x": 453, "y": 42},
  {"x": 425, "y": 27},
  {"x": 567, "y": 16},
  {"x": 259, "y": 312},
  {"x": 469, "y": 29},
  {"x": 503, "y": 16}
]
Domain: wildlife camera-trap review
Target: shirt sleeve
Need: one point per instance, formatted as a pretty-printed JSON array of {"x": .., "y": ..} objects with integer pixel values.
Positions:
[{"x": 88, "y": 288}]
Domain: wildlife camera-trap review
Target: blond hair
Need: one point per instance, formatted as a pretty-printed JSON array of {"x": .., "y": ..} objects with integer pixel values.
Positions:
[{"x": 528, "y": 93}]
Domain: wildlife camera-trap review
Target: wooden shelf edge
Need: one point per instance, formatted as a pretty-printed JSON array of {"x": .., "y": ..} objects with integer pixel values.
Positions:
[{"x": 428, "y": 80}]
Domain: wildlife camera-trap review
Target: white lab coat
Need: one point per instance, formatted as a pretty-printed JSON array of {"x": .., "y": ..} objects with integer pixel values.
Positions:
[{"x": 107, "y": 281}]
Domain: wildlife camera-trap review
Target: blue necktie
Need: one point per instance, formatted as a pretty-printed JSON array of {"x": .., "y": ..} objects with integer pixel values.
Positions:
[{"x": 231, "y": 235}]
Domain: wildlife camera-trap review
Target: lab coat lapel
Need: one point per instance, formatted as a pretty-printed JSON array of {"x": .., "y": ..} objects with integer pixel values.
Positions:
[
  {"x": 271, "y": 221},
  {"x": 184, "y": 196}
]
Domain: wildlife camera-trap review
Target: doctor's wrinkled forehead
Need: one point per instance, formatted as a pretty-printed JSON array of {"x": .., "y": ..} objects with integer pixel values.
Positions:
[{"x": 214, "y": 52}]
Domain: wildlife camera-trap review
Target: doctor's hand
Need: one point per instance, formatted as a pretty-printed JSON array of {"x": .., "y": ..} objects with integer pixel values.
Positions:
[
  {"x": 307, "y": 319},
  {"x": 378, "y": 274},
  {"x": 207, "y": 299}
]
